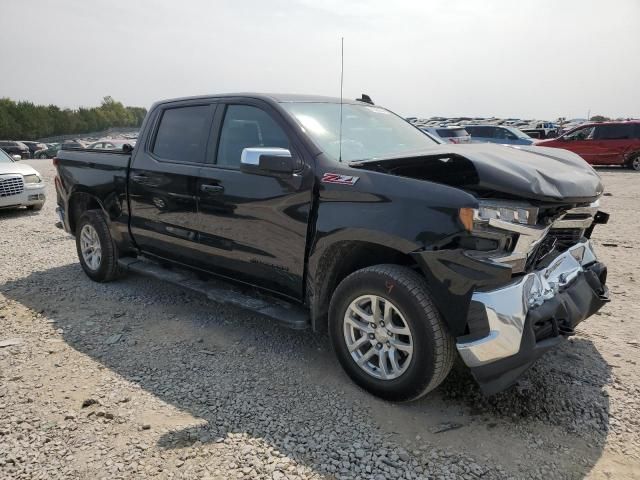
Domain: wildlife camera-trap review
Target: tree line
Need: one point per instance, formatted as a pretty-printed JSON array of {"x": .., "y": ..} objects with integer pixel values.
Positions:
[{"x": 27, "y": 121}]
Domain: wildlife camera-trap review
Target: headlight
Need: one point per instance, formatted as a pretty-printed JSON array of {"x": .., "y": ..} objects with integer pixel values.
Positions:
[
  {"x": 522, "y": 214},
  {"x": 32, "y": 178}
]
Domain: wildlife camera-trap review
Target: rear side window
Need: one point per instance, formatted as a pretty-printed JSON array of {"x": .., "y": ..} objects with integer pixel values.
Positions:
[
  {"x": 614, "y": 132},
  {"x": 182, "y": 134},
  {"x": 245, "y": 126},
  {"x": 452, "y": 132},
  {"x": 486, "y": 132}
]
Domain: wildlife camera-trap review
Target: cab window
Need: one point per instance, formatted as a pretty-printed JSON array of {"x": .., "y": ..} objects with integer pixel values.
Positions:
[
  {"x": 243, "y": 127},
  {"x": 183, "y": 133}
]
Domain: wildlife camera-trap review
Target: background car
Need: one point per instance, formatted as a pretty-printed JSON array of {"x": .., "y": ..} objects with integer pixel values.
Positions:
[
  {"x": 111, "y": 144},
  {"x": 449, "y": 134},
  {"x": 20, "y": 184},
  {"x": 52, "y": 149},
  {"x": 607, "y": 143},
  {"x": 15, "y": 148},
  {"x": 72, "y": 144},
  {"x": 36, "y": 149},
  {"x": 498, "y": 134}
]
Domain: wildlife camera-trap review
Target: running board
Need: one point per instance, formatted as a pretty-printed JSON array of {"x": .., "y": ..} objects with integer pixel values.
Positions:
[{"x": 288, "y": 314}]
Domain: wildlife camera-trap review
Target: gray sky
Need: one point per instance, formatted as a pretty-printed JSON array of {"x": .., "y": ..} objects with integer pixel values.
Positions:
[{"x": 521, "y": 58}]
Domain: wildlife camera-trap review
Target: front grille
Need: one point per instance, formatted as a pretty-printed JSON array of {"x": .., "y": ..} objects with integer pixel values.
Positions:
[
  {"x": 565, "y": 237},
  {"x": 13, "y": 185}
]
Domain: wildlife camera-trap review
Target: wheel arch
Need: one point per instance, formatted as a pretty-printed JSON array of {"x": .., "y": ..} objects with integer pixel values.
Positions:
[
  {"x": 335, "y": 260},
  {"x": 80, "y": 202}
]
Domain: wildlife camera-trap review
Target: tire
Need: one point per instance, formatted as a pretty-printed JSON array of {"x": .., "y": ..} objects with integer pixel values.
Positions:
[
  {"x": 42, "y": 156},
  {"x": 36, "y": 207},
  {"x": 634, "y": 162},
  {"x": 102, "y": 266},
  {"x": 433, "y": 350}
]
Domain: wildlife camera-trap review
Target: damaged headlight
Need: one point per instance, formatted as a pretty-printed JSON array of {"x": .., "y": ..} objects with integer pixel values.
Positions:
[
  {"x": 477, "y": 218},
  {"x": 513, "y": 214}
]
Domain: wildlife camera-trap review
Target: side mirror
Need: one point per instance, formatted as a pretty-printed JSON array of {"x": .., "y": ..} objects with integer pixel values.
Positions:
[
  {"x": 17, "y": 157},
  {"x": 267, "y": 161}
]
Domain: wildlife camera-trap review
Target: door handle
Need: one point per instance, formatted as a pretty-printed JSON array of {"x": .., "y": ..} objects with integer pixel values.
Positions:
[
  {"x": 212, "y": 188},
  {"x": 139, "y": 178}
]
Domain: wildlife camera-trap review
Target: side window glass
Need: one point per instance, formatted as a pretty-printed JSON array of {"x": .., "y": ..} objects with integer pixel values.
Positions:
[
  {"x": 488, "y": 132},
  {"x": 585, "y": 133},
  {"x": 182, "y": 134},
  {"x": 613, "y": 132},
  {"x": 243, "y": 127}
]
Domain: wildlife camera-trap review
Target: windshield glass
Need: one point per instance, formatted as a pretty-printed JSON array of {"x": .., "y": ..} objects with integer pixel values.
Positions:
[
  {"x": 367, "y": 131},
  {"x": 4, "y": 157}
]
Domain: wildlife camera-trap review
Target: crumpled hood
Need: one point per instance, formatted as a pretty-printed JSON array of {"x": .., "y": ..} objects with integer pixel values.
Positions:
[
  {"x": 539, "y": 173},
  {"x": 17, "y": 167}
]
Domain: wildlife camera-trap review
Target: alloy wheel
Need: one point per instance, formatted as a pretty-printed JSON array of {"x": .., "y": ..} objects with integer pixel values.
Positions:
[
  {"x": 90, "y": 247},
  {"x": 378, "y": 337}
]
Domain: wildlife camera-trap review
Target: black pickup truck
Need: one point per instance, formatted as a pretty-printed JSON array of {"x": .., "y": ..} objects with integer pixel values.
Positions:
[{"x": 343, "y": 217}]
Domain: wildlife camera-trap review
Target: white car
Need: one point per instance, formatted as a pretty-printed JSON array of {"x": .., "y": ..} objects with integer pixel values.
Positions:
[{"x": 20, "y": 184}]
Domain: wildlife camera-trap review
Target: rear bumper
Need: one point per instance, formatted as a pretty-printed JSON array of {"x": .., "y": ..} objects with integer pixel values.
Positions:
[{"x": 526, "y": 317}]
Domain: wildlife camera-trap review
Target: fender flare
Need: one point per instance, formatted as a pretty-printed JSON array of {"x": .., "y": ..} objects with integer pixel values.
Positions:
[{"x": 326, "y": 264}]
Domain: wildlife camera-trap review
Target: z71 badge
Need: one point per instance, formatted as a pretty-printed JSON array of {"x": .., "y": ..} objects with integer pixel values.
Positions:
[{"x": 339, "y": 179}]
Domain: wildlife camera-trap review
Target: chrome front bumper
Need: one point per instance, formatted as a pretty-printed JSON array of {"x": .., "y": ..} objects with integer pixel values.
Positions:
[
  {"x": 507, "y": 307},
  {"x": 31, "y": 195}
]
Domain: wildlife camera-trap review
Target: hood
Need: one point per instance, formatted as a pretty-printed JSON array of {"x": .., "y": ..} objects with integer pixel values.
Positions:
[
  {"x": 17, "y": 167},
  {"x": 531, "y": 172}
]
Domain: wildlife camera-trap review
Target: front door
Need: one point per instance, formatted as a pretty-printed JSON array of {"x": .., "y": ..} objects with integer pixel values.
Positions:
[
  {"x": 582, "y": 142},
  {"x": 163, "y": 180},
  {"x": 254, "y": 227}
]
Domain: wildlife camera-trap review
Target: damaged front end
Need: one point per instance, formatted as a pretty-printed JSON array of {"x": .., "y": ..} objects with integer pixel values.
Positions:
[
  {"x": 509, "y": 305},
  {"x": 523, "y": 273},
  {"x": 523, "y": 319}
]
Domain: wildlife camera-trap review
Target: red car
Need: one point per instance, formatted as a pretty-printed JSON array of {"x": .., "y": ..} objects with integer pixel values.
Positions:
[{"x": 609, "y": 143}]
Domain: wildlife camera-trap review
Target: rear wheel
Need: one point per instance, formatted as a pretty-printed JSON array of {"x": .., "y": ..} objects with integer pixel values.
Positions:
[
  {"x": 97, "y": 251},
  {"x": 42, "y": 156},
  {"x": 387, "y": 334},
  {"x": 634, "y": 162}
]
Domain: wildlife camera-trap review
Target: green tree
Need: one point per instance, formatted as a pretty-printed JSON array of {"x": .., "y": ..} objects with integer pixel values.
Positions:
[{"x": 27, "y": 121}]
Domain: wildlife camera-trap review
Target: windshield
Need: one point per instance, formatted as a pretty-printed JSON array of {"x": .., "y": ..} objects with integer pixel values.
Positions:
[
  {"x": 367, "y": 131},
  {"x": 4, "y": 158}
]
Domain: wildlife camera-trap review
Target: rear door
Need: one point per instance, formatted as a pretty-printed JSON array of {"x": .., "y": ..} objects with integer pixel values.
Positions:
[
  {"x": 253, "y": 227},
  {"x": 612, "y": 142},
  {"x": 163, "y": 180}
]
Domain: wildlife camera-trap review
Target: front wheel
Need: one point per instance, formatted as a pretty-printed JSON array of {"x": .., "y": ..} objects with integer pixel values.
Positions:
[
  {"x": 387, "y": 333},
  {"x": 97, "y": 251},
  {"x": 42, "y": 156}
]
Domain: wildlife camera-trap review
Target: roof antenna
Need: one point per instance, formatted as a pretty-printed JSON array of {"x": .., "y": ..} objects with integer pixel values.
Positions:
[{"x": 341, "y": 83}]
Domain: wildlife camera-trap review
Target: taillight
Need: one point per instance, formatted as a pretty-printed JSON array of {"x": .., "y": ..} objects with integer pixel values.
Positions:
[{"x": 55, "y": 161}]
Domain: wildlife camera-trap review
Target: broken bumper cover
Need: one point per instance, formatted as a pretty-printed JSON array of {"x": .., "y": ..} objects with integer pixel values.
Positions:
[{"x": 530, "y": 315}]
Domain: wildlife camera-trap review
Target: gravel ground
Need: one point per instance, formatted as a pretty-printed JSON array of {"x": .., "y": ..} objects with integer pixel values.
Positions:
[{"x": 137, "y": 379}]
